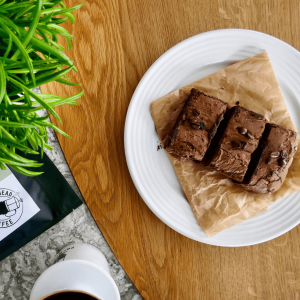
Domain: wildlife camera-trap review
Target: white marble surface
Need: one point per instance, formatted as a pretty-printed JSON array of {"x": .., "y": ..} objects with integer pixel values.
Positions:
[{"x": 19, "y": 271}]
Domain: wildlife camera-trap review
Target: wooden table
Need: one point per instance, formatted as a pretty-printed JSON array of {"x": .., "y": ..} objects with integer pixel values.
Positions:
[{"x": 116, "y": 42}]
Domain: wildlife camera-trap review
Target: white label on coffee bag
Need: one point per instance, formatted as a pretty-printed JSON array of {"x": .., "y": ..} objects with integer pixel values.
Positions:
[{"x": 16, "y": 205}]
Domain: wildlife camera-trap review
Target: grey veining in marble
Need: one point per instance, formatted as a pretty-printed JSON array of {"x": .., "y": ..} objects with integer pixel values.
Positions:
[{"x": 19, "y": 271}]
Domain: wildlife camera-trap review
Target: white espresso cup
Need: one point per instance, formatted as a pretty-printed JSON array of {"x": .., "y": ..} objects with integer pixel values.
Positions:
[{"x": 80, "y": 268}]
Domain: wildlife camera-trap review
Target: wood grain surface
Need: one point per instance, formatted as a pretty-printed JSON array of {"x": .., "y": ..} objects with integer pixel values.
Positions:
[{"x": 116, "y": 42}]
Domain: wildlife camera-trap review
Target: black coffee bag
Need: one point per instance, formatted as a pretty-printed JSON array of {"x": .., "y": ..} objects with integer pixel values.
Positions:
[{"x": 31, "y": 205}]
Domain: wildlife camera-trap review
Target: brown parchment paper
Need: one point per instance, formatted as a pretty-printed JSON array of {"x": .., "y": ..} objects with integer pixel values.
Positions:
[{"x": 216, "y": 201}]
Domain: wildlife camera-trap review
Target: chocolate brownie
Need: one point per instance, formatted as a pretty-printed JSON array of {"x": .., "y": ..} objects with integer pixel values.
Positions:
[
  {"x": 238, "y": 142},
  {"x": 275, "y": 156},
  {"x": 196, "y": 126}
]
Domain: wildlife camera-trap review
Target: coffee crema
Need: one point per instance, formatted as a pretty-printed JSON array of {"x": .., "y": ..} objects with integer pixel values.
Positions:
[{"x": 68, "y": 295}]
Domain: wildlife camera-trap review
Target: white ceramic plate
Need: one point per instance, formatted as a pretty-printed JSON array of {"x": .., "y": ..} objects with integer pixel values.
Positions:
[{"x": 151, "y": 170}]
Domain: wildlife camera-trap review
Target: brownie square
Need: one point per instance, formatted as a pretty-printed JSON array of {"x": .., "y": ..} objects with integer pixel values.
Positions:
[
  {"x": 238, "y": 142},
  {"x": 273, "y": 160},
  {"x": 196, "y": 126}
]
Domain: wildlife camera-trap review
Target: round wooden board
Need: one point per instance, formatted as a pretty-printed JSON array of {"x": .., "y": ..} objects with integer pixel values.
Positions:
[{"x": 116, "y": 42}]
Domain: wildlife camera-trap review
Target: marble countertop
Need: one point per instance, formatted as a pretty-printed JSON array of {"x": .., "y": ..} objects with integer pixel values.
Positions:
[{"x": 19, "y": 271}]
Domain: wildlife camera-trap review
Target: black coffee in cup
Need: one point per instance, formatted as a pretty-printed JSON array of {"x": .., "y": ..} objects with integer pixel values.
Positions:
[{"x": 70, "y": 296}]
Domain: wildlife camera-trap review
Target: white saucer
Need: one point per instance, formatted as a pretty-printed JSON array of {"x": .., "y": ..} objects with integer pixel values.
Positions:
[{"x": 76, "y": 275}]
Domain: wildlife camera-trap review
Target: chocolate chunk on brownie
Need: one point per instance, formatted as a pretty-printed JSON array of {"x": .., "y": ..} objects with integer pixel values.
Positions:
[
  {"x": 238, "y": 142},
  {"x": 196, "y": 125},
  {"x": 274, "y": 157}
]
